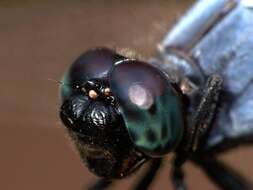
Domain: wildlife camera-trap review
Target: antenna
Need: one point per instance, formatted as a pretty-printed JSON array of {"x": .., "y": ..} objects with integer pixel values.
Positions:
[{"x": 56, "y": 81}]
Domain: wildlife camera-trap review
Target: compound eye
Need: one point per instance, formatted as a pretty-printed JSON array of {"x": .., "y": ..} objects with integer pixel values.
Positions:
[
  {"x": 150, "y": 106},
  {"x": 95, "y": 63}
]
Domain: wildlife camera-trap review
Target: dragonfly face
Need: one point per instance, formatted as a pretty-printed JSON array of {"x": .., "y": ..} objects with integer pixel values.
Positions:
[
  {"x": 92, "y": 118},
  {"x": 119, "y": 114}
]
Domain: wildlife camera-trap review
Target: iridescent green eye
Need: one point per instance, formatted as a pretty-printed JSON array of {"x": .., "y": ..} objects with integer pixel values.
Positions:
[{"x": 150, "y": 106}]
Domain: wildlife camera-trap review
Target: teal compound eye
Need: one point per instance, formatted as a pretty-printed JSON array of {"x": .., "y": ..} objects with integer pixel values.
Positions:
[{"x": 150, "y": 106}]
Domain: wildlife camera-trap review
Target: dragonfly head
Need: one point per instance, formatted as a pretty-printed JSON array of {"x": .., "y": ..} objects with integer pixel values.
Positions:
[{"x": 119, "y": 112}]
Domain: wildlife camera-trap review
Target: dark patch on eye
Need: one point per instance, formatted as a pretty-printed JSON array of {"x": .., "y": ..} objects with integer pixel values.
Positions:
[
  {"x": 130, "y": 114},
  {"x": 164, "y": 130},
  {"x": 151, "y": 136},
  {"x": 152, "y": 109}
]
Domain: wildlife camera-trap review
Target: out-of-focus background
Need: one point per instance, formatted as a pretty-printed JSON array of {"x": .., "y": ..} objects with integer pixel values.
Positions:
[{"x": 38, "y": 40}]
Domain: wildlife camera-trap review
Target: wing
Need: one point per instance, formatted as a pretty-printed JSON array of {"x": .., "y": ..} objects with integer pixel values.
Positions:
[
  {"x": 230, "y": 54},
  {"x": 234, "y": 123},
  {"x": 218, "y": 44}
]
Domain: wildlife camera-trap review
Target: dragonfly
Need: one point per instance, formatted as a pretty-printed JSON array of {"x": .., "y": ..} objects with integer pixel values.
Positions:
[{"x": 193, "y": 100}]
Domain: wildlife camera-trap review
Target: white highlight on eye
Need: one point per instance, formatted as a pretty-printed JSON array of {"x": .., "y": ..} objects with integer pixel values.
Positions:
[
  {"x": 140, "y": 96},
  {"x": 123, "y": 60}
]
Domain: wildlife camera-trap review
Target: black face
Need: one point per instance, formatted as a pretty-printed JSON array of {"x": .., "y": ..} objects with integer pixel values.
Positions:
[{"x": 92, "y": 117}]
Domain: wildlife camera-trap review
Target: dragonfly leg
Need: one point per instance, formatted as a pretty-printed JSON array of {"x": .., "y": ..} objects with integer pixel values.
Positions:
[
  {"x": 148, "y": 177},
  {"x": 201, "y": 120},
  {"x": 205, "y": 112},
  {"x": 222, "y": 175},
  {"x": 100, "y": 184},
  {"x": 143, "y": 184},
  {"x": 177, "y": 175}
]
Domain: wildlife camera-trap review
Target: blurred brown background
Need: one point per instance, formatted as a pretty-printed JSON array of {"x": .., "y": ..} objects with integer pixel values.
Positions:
[{"x": 38, "y": 40}]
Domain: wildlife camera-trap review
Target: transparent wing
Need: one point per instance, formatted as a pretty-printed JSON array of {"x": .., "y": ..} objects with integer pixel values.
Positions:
[{"x": 218, "y": 35}]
